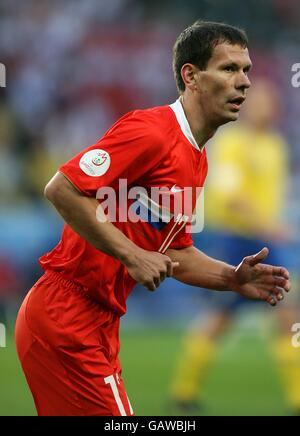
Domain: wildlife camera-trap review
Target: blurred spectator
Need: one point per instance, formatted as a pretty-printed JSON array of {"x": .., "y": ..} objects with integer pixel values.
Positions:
[{"x": 11, "y": 287}]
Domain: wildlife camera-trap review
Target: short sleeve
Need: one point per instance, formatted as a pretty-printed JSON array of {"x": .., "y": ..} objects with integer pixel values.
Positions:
[
  {"x": 132, "y": 147},
  {"x": 183, "y": 240}
]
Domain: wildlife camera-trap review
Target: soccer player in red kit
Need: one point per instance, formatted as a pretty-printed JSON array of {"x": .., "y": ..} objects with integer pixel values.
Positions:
[{"x": 67, "y": 330}]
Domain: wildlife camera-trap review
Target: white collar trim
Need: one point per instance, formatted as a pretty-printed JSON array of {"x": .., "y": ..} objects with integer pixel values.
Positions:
[{"x": 183, "y": 122}]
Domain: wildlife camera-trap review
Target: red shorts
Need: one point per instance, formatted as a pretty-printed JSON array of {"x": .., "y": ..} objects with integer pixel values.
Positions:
[{"x": 68, "y": 346}]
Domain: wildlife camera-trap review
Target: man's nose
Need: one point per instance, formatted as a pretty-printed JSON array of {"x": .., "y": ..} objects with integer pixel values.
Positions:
[{"x": 243, "y": 81}]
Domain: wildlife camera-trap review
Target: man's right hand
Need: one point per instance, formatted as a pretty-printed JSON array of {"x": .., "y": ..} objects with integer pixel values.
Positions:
[{"x": 150, "y": 268}]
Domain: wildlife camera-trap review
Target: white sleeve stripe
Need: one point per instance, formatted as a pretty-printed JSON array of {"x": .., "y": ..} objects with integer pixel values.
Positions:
[
  {"x": 167, "y": 242},
  {"x": 167, "y": 237}
]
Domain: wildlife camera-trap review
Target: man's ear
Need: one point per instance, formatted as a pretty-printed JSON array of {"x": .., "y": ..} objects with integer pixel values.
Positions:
[{"x": 188, "y": 74}]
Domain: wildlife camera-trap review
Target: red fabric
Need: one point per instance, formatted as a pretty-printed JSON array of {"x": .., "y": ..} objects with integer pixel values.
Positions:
[
  {"x": 67, "y": 346},
  {"x": 149, "y": 149}
]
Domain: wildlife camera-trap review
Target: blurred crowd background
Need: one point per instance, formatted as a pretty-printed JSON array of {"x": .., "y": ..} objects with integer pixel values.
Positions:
[{"x": 72, "y": 69}]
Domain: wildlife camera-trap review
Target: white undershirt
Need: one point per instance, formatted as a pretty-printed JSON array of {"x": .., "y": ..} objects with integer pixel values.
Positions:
[{"x": 183, "y": 122}]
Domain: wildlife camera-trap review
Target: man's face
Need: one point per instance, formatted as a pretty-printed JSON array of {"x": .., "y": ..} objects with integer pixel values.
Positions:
[{"x": 221, "y": 88}]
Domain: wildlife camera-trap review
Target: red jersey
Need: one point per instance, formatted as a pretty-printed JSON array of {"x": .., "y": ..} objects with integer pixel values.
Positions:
[{"x": 147, "y": 148}]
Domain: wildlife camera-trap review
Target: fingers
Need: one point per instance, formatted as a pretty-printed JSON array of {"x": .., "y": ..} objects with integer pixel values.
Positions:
[
  {"x": 276, "y": 295},
  {"x": 258, "y": 257},
  {"x": 282, "y": 283},
  {"x": 279, "y": 294},
  {"x": 281, "y": 271},
  {"x": 153, "y": 284},
  {"x": 150, "y": 286},
  {"x": 270, "y": 281},
  {"x": 275, "y": 276},
  {"x": 170, "y": 267},
  {"x": 166, "y": 270},
  {"x": 271, "y": 300}
]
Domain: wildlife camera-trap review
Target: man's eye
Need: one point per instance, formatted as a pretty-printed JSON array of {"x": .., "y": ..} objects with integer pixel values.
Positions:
[{"x": 229, "y": 68}]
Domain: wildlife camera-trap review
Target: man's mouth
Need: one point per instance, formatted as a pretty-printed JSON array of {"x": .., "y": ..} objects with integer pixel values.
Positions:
[{"x": 237, "y": 102}]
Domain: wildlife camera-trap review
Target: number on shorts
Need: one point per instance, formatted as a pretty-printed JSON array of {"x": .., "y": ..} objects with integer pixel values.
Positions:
[{"x": 110, "y": 380}]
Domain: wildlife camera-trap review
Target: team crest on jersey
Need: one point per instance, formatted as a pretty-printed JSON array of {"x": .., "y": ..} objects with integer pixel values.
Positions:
[
  {"x": 95, "y": 163},
  {"x": 100, "y": 159}
]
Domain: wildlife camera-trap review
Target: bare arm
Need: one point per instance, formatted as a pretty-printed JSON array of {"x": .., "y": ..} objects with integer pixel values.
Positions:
[
  {"x": 198, "y": 269},
  {"x": 250, "y": 278},
  {"x": 79, "y": 212}
]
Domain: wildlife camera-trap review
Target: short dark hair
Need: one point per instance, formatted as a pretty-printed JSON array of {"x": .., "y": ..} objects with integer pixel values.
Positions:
[{"x": 195, "y": 45}]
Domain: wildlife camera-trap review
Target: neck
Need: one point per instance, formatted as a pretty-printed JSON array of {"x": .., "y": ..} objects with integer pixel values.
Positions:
[{"x": 201, "y": 129}]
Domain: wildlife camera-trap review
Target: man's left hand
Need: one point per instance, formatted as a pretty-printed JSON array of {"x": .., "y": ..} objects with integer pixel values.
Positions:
[{"x": 258, "y": 281}]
